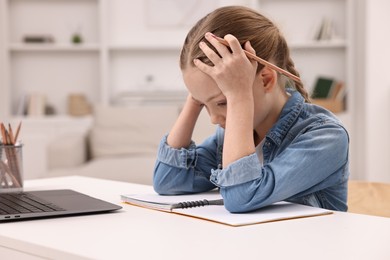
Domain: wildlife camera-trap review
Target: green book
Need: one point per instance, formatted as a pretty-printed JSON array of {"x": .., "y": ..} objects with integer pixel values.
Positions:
[{"x": 323, "y": 88}]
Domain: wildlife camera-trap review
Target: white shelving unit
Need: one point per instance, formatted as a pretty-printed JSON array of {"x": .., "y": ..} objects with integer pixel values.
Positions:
[
  {"x": 124, "y": 52},
  {"x": 52, "y": 69},
  {"x": 19, "y": 47}
]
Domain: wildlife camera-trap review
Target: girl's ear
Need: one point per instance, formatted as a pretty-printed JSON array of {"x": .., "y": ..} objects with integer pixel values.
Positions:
[{"x": 268, "y": 77}]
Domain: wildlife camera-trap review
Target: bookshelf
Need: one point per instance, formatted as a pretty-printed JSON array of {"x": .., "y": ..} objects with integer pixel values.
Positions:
[
  {"x": 122, "y": 52},
  {"x": 56, "y": 69}
]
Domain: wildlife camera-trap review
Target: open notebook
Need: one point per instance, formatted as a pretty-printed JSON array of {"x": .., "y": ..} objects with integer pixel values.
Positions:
[{"x": 209, "y": 206}]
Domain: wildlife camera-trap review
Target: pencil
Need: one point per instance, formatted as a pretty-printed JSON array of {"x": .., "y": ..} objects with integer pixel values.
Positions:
[
  {"x": 11, "y": 135},
  {"x": 262, "y": 61},
  {"x": 3, "y": 135},
  {"x": 17, "y": 131}
]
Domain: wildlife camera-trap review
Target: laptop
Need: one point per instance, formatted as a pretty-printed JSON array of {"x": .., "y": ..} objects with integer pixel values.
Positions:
[{"x": 25, "y": 205}]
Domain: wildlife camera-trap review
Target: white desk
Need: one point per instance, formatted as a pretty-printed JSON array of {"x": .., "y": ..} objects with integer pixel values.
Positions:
[{"x": 137, "y": 233}]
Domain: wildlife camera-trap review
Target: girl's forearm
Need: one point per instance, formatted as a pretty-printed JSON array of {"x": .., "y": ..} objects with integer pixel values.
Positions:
[
  {"x": 238, "y": 140},
  {"x": 181, "y": 132}
]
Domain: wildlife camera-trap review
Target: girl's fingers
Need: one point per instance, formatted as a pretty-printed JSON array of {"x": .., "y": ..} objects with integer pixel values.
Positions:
[
  {"x": 222, "y": 49},
  {"x": 203, "y": 67},
  {"x": 214, "y": 58},
  {"x": 248, "y": 47},
  {"x": 223, "y": 52},
  {"x": 234, "y": 44}
]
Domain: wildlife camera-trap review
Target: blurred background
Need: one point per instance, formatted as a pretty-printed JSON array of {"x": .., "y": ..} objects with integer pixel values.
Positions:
[{"x": 88, "y": 77}]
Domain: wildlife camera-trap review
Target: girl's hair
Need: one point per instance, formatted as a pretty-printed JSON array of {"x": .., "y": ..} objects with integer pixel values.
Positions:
[{"x": 247, "y": 25}]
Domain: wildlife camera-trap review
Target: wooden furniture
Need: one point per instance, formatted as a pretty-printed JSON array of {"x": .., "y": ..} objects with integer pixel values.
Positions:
[
  {"x": 369, "y": 198},
  {"x": 139, "y": 233}
]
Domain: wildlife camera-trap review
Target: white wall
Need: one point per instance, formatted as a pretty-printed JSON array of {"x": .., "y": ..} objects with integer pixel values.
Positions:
[
  {"x": 3, "y": 80},
  {"x": 373, "y": 97}
]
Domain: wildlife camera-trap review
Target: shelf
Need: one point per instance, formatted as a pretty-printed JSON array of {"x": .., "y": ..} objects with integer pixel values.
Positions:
[
  {"x": 60, "y": 118},
  {"x": 333, "y": 105},
  {"x": 333, "y": 44},
  {"x": 95, "y": 47},
  {"x": 19, "y": 47},
  {"x": 151, "y": 97},
  {"x": 144, "y": 47}
]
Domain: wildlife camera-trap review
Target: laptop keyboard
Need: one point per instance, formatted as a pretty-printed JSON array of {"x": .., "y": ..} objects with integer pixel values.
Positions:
[{"x": 24, "y": 202}]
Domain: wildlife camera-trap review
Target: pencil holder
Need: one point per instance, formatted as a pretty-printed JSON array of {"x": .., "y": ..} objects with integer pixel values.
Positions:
[{"x": 11, "y": 168}]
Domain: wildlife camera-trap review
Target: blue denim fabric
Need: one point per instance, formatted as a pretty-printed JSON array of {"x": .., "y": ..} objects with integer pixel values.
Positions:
[{"x": 305, "y": 161}]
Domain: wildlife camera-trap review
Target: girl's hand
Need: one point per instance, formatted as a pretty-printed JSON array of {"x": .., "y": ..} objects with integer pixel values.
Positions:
[
  {"x": 233, "y": 72},
  {"x": 181, "y": 132},
  {"x": 195, "y": 106}
]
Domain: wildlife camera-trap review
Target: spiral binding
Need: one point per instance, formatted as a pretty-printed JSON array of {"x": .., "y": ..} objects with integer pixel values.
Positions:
[{"x": 193, "y": 204}]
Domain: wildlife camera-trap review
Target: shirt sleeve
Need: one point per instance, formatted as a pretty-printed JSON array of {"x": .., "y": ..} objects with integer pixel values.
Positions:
[
  {"x": 184, "y": 158},
  {"x": 241, "y": 171},
  {"x": 316, "y": 159},
  {"x": 185, "y": 170}
]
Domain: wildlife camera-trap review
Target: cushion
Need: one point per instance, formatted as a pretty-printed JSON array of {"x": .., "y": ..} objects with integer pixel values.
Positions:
[
  {"x": 130, "y": 130},
  {"x": 134, "y": 169},
  {"x": 67, "y": 151}
]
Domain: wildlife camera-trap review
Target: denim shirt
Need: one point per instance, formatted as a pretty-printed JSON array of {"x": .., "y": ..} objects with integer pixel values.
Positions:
[{"x": 305, "y": 161}]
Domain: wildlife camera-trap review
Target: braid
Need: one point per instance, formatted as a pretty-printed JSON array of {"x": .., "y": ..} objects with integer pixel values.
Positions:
[
  {"x": 298, "y": 85},
  {"x": 283, "y": 58}
]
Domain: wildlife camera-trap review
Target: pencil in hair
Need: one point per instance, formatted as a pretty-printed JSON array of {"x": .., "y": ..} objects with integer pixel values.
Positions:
[{"x": 262, "y": 61}]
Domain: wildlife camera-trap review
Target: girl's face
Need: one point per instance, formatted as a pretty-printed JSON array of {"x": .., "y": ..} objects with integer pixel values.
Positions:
[{"x": 204, "y": 90}]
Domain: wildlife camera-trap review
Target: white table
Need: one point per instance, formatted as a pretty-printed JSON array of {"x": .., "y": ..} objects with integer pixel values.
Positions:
[{"x": 138, "y": 233}]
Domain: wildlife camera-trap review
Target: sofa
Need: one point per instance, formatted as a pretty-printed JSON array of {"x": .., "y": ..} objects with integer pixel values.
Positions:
[{"x": 121, "y": 143}]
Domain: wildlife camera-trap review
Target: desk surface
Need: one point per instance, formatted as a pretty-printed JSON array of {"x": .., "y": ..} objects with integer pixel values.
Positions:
[{"x": 138, "y": 233}]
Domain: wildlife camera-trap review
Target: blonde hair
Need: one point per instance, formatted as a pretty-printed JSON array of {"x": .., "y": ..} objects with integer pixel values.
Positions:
[{"x": 247, "y": 25}]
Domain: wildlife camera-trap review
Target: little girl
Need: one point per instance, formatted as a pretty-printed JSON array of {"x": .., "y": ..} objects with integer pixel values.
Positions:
[{"x": 270, "y": 144}]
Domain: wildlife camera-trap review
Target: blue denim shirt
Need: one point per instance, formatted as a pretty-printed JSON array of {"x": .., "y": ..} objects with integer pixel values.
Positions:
[{"x": 305, "y": 161}]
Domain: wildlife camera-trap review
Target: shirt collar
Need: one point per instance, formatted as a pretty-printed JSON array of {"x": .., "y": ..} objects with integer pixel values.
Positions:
[{"x": 288, "y": 116}]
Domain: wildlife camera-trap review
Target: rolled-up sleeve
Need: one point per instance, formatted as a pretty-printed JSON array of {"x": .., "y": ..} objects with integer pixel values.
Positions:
[
  {"x": 241, "y": 171},
  {"x": 184, "y": 170},
  {"x": 180, "y": 158}
]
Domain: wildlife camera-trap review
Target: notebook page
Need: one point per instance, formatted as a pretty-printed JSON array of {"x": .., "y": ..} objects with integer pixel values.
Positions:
[
  {"x": 168, "y": 199},
  {"x": 274, "y": 212}
]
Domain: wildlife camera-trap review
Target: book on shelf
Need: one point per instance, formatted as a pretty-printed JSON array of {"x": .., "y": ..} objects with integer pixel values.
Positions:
[
  {"x": 326, "y": 30},
  {"x": 21, "y": 106},
  {"x": 36, "y": 105},
  {"x": 329, "y": 93},
  {"x": 209, "y": 206},
  {"x": 323, "y": 87},
  {"x": 339, "y": 91}
]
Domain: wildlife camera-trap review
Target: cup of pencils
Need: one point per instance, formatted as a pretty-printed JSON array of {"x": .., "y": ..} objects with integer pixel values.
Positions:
[{"x": 11, "y": 160}]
